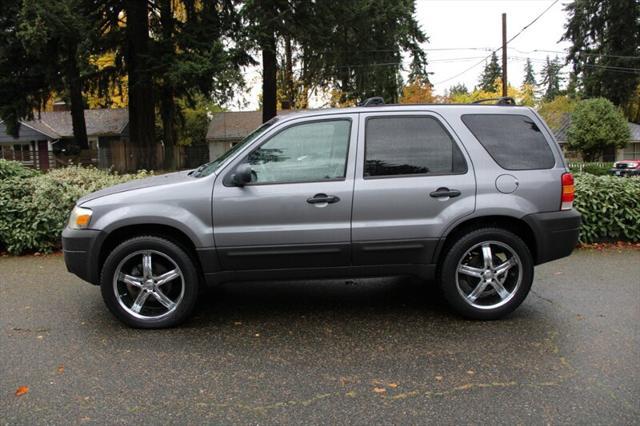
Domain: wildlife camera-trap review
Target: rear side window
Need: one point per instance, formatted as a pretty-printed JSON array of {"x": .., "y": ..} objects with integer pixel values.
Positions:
[
  {"x": 396, "y": 146},
  {"x": 514, "y": 141}
]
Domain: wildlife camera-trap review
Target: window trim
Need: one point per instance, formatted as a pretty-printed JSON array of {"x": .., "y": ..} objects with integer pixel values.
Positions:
[
  {"x": 227, "y": 178},
  {"x": 411, "y": 175},
  {"x": 553, "y": 155}
]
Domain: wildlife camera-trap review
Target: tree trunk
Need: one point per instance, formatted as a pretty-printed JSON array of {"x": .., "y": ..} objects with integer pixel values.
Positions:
[
  {"x": 169, "y": 134},
  {"x": 269, "y": 79},
  {"x": 167, "y": 91},
  {"x": 141, "y": 104},
  {"x": 288, "y": 73},
  {"x": 74, "y": 87}
]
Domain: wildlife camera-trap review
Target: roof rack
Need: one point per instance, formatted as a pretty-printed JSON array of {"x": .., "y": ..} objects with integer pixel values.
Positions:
[
  {"x": 375, "y": 101},
  {"x": 503, "y": 100}
]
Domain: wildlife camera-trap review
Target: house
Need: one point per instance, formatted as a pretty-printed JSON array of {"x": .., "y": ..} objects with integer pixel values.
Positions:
[
  {"x": 47, "y": 140},
  {"x": 228, "y": 128},
  {"x": 630, "y": 152}
]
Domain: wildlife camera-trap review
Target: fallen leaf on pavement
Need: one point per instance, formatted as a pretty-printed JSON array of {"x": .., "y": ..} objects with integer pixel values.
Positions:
[
  {"x": 379, "y": 390},
  {"x": 393, "y": 385},
  {"x": 22, "y": 390},
  {"x": 438, "y": 378},
  {"x": 61, "y": 369}
]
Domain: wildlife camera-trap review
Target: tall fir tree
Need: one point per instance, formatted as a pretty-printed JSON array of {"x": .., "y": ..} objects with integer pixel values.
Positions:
[
  {"x": 605, "y": 50},
  {"x": 492, "y": 71},
  {"x": 529, "y": 74},
  {"x": 551, "y": 78}
]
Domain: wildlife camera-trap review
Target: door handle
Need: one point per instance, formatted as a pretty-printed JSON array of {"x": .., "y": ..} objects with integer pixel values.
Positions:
[
  {"x": 323, "y": 198},
  {"x": 445, "y": 192}
]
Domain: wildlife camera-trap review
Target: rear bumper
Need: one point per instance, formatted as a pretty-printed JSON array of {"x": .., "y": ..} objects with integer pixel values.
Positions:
[
  {"x": 556, "y": 233},
  {"x": 79, "y": 256}
]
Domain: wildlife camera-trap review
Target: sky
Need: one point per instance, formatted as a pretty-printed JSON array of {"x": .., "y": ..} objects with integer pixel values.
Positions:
[{"x": 461, "y": 33}]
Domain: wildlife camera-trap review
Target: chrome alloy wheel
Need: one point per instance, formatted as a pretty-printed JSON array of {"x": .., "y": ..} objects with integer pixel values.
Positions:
[
  {"x": 148, "y": 284},
  {"x": 488, "y": 275}
]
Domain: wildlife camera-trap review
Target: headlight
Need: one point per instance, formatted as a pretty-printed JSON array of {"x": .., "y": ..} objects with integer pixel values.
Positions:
[{"x": 80, "y": 218}]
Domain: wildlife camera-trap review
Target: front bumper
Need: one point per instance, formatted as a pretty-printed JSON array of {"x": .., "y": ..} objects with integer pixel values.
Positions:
[
  {"x": 556, "y": 233},
  {"x": 79, "y": 247}
]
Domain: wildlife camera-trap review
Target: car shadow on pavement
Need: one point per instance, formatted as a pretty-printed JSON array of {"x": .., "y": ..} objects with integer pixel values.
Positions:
[{"x": 349, "y": 299}]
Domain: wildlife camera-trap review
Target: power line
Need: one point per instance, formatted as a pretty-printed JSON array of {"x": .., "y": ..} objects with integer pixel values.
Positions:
[
  {"x": 499, "y": 48},
  {"x": 579, "y": 52}
]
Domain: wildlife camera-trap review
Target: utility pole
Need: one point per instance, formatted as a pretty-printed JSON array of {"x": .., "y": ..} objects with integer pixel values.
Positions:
[{"x": 504, "y": 54}]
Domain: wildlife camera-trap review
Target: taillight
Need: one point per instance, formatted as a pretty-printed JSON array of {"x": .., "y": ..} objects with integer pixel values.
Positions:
[{"x": 568, "y": 192}]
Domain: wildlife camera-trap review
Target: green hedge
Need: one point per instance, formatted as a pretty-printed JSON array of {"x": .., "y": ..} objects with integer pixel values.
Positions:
[
  {"x": 610, "y": 208},
  {"x": 34, "y": 207},
  {"x": 598, "y": 169}
]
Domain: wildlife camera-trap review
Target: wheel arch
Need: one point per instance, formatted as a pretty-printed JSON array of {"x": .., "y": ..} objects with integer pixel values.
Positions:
[
  {"x": 509, "y": 223},
  {"x": 122, "y": 233}
]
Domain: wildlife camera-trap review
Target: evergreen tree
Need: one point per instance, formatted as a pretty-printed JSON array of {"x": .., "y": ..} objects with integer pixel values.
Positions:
[
  {"x": 529, "y": 74},
  {"x": 492, "y": 71},
  {"x": 362, "y": 55},
  {"x": 551, "y": 78},
  {"x": 458, "y": 89},
  {"x": 46, "y": 41},
  {"x": 605, "y": 37}
]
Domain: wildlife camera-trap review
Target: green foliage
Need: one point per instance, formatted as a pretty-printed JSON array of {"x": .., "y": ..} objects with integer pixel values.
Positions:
[
  {"x": 605, "y": 45},
  {"x": 610, "y": 208},
  {"x": 9, "y": 169},
  {"x": 529, "y": 74},
  {"x": 551, "y": 79},
  {"x": 34, "y": 208},
  {"x": 598, "y": 169},
  {"x": 554, "y": 111},
  {"x": 356, "y": 47},
  {"x": 492, "y": 71},
  {"x": 596, "y": 124}
]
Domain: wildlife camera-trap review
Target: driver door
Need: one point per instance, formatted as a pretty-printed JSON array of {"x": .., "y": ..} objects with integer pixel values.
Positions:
[{"x": 296, "y": 211}]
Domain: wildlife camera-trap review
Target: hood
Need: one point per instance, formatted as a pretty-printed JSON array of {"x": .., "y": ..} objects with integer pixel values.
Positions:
[{"x": 166, "y": 179}]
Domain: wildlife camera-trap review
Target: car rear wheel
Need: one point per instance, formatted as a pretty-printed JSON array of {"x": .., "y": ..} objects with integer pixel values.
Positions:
[
  {"x": 149, "y": 282},
  {"x": 486, "y": 273}
]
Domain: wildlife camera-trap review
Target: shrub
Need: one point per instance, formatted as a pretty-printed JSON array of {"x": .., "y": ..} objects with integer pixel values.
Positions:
[
  {"x": 598, "y": 169},
  {"x": 34, "y": 207},
  {"x": 596, "y": 124},
  {"x": 610, "y": 208},
  {"x": 10, "y": 169}
]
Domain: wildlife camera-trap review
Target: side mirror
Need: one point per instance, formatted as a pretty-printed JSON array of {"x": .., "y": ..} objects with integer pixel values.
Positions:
[{"x": 242, "y": 175}]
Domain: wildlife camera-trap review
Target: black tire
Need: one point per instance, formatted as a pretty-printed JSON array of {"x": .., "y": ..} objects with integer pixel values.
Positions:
[
  {"x": 453, "y": 283},
  {"x": 186, "y": 286}
]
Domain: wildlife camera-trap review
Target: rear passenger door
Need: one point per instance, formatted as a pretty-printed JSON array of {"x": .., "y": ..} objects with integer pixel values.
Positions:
[{"x": 413, "y": 179}]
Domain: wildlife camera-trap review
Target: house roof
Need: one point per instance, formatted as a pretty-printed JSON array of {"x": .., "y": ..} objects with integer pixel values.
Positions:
[
  {"x": 233, "y": 125},
  {"x": 99, "y": 122},
  {"x": 565, "y": 122}
]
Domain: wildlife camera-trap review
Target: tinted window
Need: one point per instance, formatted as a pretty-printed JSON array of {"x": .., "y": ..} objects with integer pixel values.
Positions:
[
  {"x": 408, "y": 146},
  {"x": 303, "y": 153},
  {"x": 514, "y": 141}
]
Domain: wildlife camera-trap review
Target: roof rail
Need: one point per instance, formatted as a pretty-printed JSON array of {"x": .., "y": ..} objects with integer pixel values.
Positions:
[
  {"x": 376, "y": 100},
  {"x": 503, "y": 100}
]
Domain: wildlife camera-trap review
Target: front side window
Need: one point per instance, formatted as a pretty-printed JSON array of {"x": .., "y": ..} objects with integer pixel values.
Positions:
[
  {"x": 397, "y": 146},
  {"x": 306, "y": 152},
  {"x": 514, "y": 141}
]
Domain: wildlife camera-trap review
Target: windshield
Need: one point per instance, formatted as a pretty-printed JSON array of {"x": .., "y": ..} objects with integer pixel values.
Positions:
[{"x": 208, "y": 168}]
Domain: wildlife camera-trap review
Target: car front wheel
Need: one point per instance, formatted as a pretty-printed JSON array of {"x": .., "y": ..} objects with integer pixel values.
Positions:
[
  {"x": 487, "y": 273},
  {"x": 149, "y": 282}
]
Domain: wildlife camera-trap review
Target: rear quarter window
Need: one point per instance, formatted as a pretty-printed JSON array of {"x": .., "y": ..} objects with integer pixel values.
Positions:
[{"x": 515, "y": 142}]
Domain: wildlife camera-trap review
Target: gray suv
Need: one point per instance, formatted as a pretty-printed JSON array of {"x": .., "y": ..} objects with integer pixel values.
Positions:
[{"x": 471, "y": 196}]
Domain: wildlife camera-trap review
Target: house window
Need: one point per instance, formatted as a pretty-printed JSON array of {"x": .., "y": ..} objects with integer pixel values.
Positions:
[
  {"x": 631, "y": 151},
  {"x": 21, "y": 152}
]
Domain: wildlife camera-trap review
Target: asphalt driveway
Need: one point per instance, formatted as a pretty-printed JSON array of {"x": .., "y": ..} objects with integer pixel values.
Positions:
[{"x": 369, "y": 351}]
